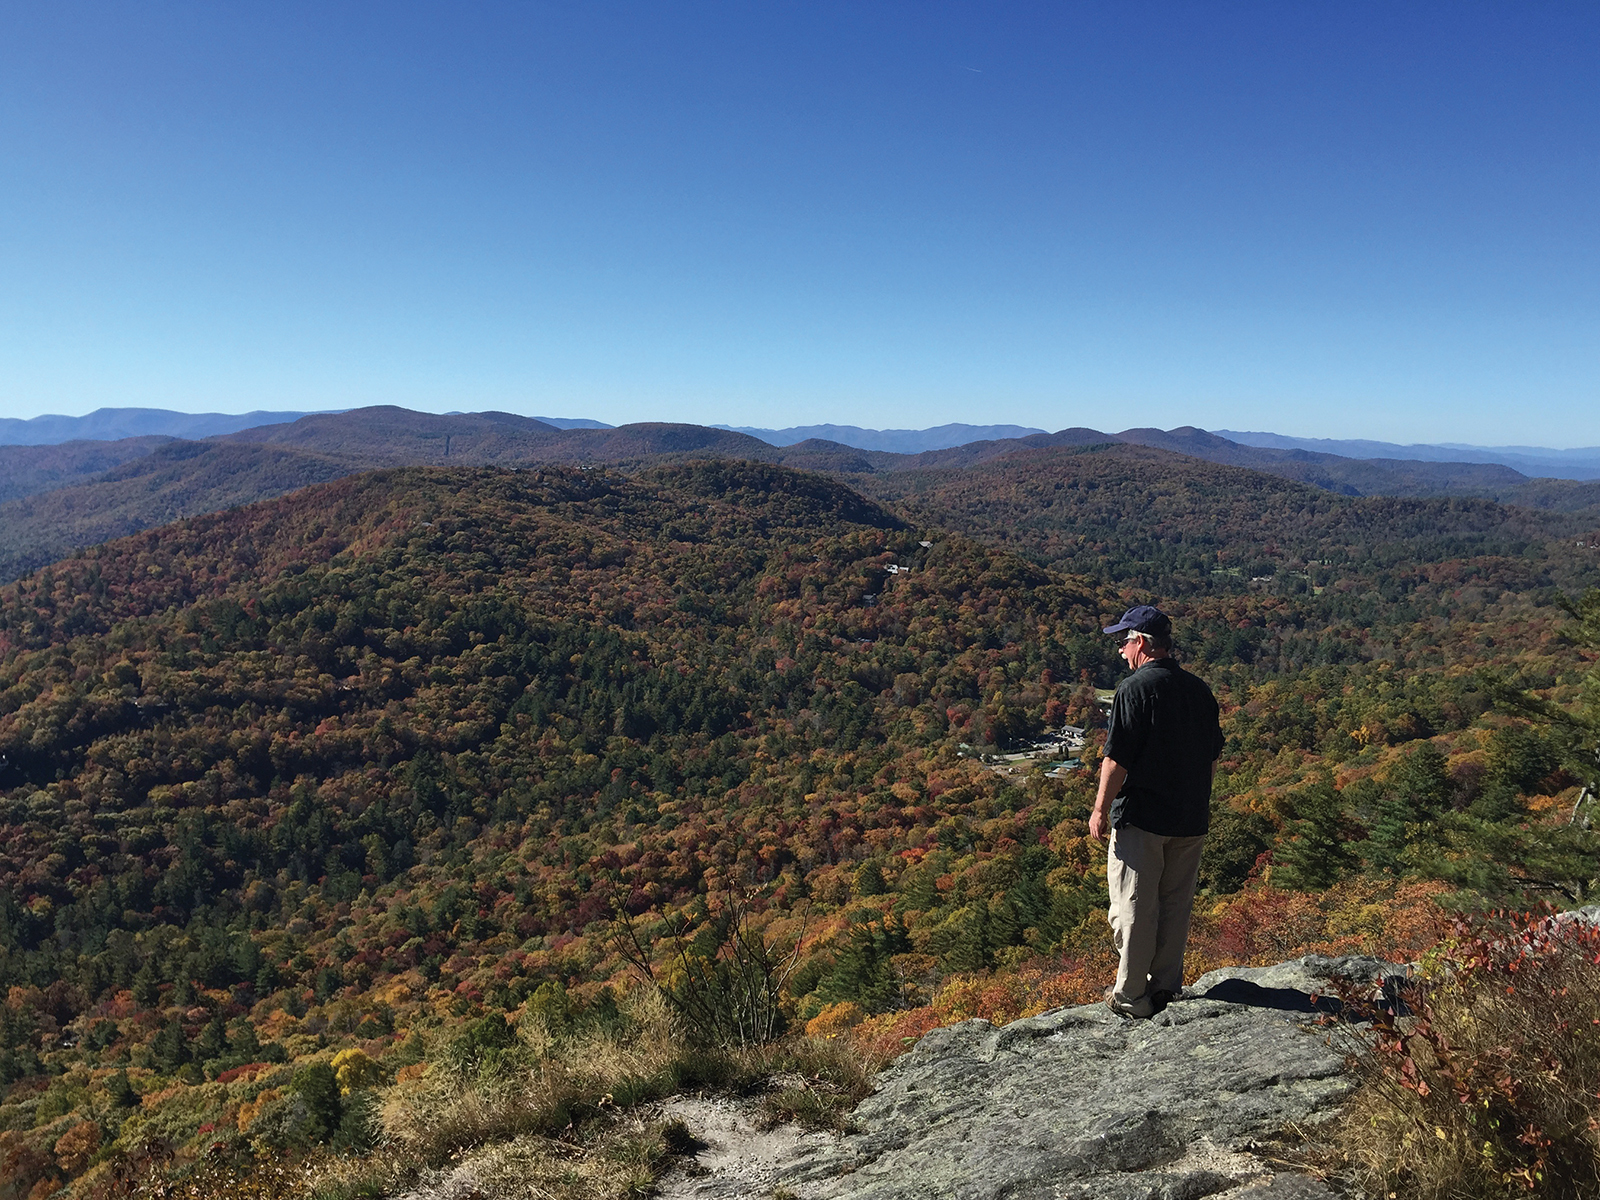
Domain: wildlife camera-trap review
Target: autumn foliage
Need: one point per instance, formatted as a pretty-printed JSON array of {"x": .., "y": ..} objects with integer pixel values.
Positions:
[
  {"x": 301, "y": 800},
  {"x": 1484, "y": 1074}
]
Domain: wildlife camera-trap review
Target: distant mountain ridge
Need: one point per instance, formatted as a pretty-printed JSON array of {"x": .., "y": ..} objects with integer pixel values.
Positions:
[
  {"x": 1536, "y": 461},
  {"x": 55, "y": 499},
  {"x": 894, "y": 441},
  {"x": 574, "y": 423},
  {"x": 113, "y": 424}
]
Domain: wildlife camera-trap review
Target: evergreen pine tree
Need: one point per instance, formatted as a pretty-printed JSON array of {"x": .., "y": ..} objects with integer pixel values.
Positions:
[
  {"x": 267, "y": 979},
  {"x": 1574, "y": 731},
  {"x": 244, "y": 1044},
  {"x": 147, "y": 986},
  {"x": 869, "y": 880},
  {"x": 213, "y": 1040},
  {"x": 1316, "y": 850},
  {"x": 1519, "y": 759},
  {"x": 169, "y": 1047},
  {"x": 963, "y": 940},
  {"x": 357, "y": 1122},
  {"x": 1005, "y": 924},
  {"x": 319, "y": 1088},
  {"x": 918, "y": 890},
  {"x": 121, "y": 1091},
  {"x": 864, "y": 973},
  {"x": 1234, "y": 844},
  {"x": 1415, "y": 794},
  {"x": 1586, "y": 715},
  {"x": 329, "y": 981}
]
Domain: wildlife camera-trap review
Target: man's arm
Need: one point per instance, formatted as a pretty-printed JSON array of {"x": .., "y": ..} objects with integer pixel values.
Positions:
[{"x": 1112, "y": 777}]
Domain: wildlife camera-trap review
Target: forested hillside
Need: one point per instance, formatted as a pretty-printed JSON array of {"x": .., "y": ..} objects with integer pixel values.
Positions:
[
  {"x": 175, "y": 479},
  {"x": 353, "y": 775},
  {"x": 27, "y": 470},
  {"x": 1183, "y": 526}
]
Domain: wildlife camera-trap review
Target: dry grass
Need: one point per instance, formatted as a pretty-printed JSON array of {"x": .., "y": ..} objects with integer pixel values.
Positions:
[
  {"x": 572, "y": 1118},
  {"x": 621, "y": 1162},
  {"x": 544, "y": 1092},
  {"x": 1485, "y": 1082},
  {"x": 578, "y": 1121},
  {"x": 605, "y": 1160},
  {"x": 815, "y": 1082}
]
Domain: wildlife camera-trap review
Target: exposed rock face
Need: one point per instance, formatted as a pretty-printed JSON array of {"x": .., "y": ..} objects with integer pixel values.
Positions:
[{"x": 1080, "y": 1104}]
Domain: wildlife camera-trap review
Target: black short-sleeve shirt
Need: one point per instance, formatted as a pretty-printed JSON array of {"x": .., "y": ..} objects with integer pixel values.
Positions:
[{"x": 1165, "y": 730}]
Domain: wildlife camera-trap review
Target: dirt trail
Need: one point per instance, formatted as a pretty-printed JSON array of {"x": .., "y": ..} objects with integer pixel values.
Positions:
[{"x": 740, "y": 1160}]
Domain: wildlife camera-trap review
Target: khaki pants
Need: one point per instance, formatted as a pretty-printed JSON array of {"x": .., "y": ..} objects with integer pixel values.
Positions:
[{"x": 1152, "y": 881}]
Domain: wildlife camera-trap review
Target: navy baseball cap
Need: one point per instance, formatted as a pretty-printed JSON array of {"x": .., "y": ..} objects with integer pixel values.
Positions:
[{"x": 1142, "y": 618}]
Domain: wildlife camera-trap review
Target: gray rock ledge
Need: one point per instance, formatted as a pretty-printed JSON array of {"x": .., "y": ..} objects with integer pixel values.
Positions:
[{"x": 1080, "y": 1104}]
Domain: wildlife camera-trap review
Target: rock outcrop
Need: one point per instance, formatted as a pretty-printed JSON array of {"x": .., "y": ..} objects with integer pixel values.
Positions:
[{"x": 1080, "y": 1104}]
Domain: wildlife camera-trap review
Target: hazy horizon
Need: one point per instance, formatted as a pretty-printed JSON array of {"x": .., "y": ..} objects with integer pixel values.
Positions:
[{"x": 568, "y": 419}]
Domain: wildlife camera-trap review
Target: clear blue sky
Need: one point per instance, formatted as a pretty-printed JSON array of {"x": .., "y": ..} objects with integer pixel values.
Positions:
[{"x": 1327, "y": 219}]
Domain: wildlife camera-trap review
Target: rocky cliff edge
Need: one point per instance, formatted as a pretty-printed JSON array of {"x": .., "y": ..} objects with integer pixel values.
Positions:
[{"x": 1073, "y": 1104}]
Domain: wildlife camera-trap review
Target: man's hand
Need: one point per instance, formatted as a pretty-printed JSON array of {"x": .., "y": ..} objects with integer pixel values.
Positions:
[{"x": 1112, "y": 776}]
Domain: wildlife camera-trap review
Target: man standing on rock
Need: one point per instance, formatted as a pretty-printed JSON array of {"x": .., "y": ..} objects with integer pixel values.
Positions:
[{"x": 1160, "y": 755}]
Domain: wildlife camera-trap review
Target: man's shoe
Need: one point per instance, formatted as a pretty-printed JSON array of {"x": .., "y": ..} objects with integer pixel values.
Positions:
[
  {"x": 1162, "y": 998},
  {"x": 1141, "y": 1009}
]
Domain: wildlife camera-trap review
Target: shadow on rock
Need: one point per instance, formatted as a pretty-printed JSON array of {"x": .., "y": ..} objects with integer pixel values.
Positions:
[{"x": 1242, "y": 991}]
